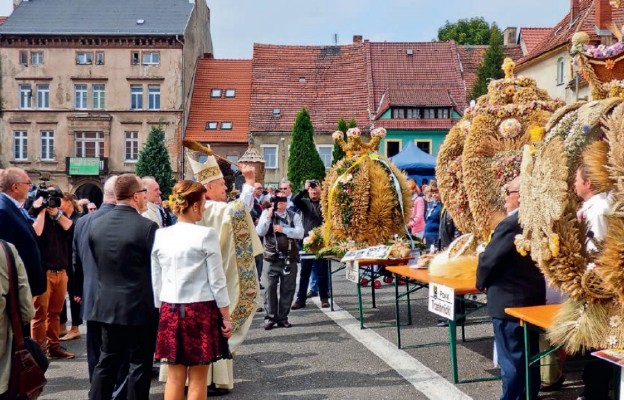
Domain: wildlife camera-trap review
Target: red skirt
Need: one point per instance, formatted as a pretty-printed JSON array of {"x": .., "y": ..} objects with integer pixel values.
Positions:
[{"x": 190, "y": 334}]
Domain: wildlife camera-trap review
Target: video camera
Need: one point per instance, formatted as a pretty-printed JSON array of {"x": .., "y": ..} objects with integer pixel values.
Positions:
[{"x": 51, "y": 195}]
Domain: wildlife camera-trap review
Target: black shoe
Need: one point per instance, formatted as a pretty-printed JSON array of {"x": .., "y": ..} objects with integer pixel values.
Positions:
[
  {"x": 215, "y": 391},
  {"x": 268, "y": 325},
  {"x": 312, "y": 294},
  {"x": 297, "y": 305},
  {"x": 284, "y": 324},
  {"x": 553, "y": 387}
]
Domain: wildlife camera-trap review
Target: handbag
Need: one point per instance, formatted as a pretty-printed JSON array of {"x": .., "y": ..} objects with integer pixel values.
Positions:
[{"x": 26, "y": 380}]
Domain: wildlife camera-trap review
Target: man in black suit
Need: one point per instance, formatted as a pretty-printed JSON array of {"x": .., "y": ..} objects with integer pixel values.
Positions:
[
  {"x": 16, "y": 228},
  {"x": 510, "y": 280},
  {"x": 121, "y": 242}
]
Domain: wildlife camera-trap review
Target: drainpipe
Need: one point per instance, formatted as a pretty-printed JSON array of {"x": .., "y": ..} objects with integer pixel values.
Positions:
[{"x": 183, "y": 120}]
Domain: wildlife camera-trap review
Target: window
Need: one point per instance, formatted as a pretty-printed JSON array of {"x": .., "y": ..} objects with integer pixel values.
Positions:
[
  {"x": 20, "y": 145},
  {"x": 36, "y": 57},
  {"x": 443, "y": 113},
  {"x": 80, "y": 94},
  {"x": 230, "y": 93},
  {"x": 43, "y": 96},
  {"x": 25, "y": 97},
  {"x": 211, "y": 125},
  {"x": 136, "y": 97},
  {"x": 398, "y": 113},
  {"x": 84, "y": 58},
  {"x": 99, "y": 97},
  {"x": 325, "y": 151},
  {"x": 233, "y": 159},
  {"x": 429, "y": 113},
  {"x": 23, "y": 57},
  {"x": 424, "y": 145},
  {"x": 135, "y": 57},
  {"x": 132, "y": 146},
  {"x": 89, "y": 144},
  {"x": 215, "y": 93},
  {"x": 270, "y": 156},
  {"x": 413, "y": 113},
  {"x": 153, "y": 97},
  {"x": 99, "y": 58},
  {"x": 47, "y": 145},
  {"x": 560, "y": 70},
  {"x": 393, "y": 147},
  {"x": 151, "y": 57},
  {"x": 226, "y": 125}
]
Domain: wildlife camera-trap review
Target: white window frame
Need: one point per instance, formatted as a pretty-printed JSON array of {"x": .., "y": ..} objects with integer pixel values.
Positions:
[
  {"x": 215, "y": 93},
  {"x": 99, "y": 96},
  {"x": 43, "y": 97},
  {"x": 416, "y": 141},
  {"x": 330, "y": 147},
  {"x": 267, "y": 165},
  {"x": 150, "y": 58},
  {"x": 136, "y": 97},
  {"x": 36, "y": 57},
  {"x": 47, "y": 145},
  {"x": 227, "y": 125},
  {"x": 153, "y": 97},
  {"x": 20, "y": 145},
  {"x": 81, "y": 143},
  {"x": 131, "y": 138},
  {"x": 560, "y": 70},
  {"x": 81, "y": 96},
  {"x": 84, "y": 58},
  {"x": 25, "y": 96},
  {"x": 399, "y": 141}
]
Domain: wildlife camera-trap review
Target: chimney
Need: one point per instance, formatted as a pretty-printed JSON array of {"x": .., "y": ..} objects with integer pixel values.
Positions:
[
  {"x": 602, "y": 13},
  {"x": 509, "y": 36},
  {"x": 357, "y": 39},
  {"x": 574, "y": 10}
]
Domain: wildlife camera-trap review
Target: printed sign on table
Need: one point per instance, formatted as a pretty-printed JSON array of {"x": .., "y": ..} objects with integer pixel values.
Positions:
[
  {"x": 352, "y": 271},
  {"x": 442, "y": 300}
]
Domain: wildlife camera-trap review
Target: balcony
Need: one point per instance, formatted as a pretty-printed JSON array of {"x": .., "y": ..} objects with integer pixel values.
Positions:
[{"x": 78, "y": 166}]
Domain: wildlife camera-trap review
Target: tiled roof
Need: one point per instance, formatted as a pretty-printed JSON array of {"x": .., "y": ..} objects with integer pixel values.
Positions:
[
  {"x": 419, "y": 97},
  {"x": 330, "y": 81},
  {"x": 562, "y": 33},
  {"x": 430, "y": 65},
  {"x": 98, "y": 17},
  {"x": 531, "y": 37},
  {"x": 220, "y": 74},
  {"x": 416, "y": 124},
  {"x": 472, "y": 56}
]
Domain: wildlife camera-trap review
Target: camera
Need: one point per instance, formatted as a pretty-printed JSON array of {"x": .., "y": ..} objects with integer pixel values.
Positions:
[
  {"x": 313, "y": 183},
  {"x": 51, "y": 195}
]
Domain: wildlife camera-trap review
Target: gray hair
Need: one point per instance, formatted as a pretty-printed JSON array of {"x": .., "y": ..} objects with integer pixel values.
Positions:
[
  {"x": 9, "y": 177},
  {"x": 109, "y": 188}
]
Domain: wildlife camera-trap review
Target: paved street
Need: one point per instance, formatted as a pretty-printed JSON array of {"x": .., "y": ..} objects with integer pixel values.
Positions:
[{"x": 325, "y": 355}]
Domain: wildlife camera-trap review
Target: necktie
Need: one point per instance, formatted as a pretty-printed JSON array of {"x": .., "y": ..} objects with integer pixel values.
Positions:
[{"x": 164, "y": 217}]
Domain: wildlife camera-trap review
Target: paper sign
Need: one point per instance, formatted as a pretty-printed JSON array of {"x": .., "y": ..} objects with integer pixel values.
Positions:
[
  {"x": 442, "y": 300},
  {"x": 352, "y": 271}
]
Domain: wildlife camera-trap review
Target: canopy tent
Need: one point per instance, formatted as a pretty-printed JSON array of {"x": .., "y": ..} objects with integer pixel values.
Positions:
[{"x": 416, "y": 163}]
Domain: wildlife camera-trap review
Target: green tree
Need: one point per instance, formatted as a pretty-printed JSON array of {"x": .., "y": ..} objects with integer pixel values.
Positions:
[
  {"x": 154, "y": 161},
  {"x": 304, "y": 161},
  {"x": 490, "y": 68},
  {"x": 337, "y": 153},
  {"x": 466, "y": 31}
]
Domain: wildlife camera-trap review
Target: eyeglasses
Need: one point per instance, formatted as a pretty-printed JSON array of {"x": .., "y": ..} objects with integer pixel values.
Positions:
[
  {"x": 26, "y": 183},
  {"x": 284, "y": 188},
  {"x": 508, "y": 192},
  {"x": 141, "y": 191}
]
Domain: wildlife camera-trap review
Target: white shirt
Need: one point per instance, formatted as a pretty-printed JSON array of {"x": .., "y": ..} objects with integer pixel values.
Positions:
[
  {"x": 295, "y": 232},
  {"x": 187, "y": 266},
  {"x": 594, "y": 211},
  {"x": 247, "y": 196}
]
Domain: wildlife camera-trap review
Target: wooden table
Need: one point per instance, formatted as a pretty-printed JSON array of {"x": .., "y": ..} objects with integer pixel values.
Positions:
[
  {"x": 420, "y": 278},
  {"x": 540, "y": 317}
]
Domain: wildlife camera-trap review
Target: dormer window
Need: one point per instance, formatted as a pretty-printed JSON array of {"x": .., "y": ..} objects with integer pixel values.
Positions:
[
  {"x": 215, "y": 93},
  {"x": 226, "y": 125},
  {"x": 211, "y": 125},
  {"x": 230, "y": 93}
]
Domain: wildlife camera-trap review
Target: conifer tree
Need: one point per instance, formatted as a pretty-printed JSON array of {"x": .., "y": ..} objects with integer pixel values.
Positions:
[
  {"x": 154, "y": 161},
  {"x": 490, "y": 68},
  {"x": 304, "y": 161}
]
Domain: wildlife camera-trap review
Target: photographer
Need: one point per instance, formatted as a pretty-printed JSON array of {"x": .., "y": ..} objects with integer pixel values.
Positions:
[
  {"x": 309, "y": 202},
  {"x": 54, "y": 230},
  {"x": 281, "y": 229}
]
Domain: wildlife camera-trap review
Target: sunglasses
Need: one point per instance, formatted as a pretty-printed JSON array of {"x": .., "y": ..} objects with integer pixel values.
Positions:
[{"x": 508, "y": 192}]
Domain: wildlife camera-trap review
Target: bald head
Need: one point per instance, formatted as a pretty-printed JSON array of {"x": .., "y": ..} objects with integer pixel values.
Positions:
[{"x": 109, "y": 190}]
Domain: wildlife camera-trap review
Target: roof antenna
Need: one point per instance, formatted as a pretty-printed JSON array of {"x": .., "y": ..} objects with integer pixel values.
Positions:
[{"x": 335, "y": 39}]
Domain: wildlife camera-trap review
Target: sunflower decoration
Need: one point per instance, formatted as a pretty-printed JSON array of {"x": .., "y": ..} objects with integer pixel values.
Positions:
[
  {"x": 449, "y": 172},
  {"x": 501, "y": 124},
  {"x": 365, "y": 199}
]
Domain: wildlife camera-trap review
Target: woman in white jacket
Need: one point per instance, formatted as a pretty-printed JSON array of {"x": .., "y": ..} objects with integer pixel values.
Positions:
[{"x": 190, "y": 289}]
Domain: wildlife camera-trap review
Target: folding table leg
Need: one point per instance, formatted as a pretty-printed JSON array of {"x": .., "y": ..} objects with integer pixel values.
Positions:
[
  {"x": 453, "y": 349},
  {"x": 361, "y": 314},
  {"x": 527, "y": 360},
  {"x": 396, "y": 312},
  {"x": 331, "y": 286}
]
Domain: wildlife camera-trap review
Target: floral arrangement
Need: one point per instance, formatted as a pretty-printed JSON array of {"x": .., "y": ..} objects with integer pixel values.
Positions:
[
  {"x": 602, "y": 51},
  {"x": 506, "y": 166},
  {"x": 510, "y": 128}
]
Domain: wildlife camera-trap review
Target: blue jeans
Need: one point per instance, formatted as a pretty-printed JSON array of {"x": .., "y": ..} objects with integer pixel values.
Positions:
[
  {"x": 509, "y": 339},
  {"x": 322, "y": 276},
  {"x": 313, "y": 286}
]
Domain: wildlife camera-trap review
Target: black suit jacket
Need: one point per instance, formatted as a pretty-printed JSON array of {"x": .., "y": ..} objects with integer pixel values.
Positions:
[
  {"x": 511, "y": 280},
  {"x": 84, "y": 283},
  {"x": 121, "y": 242},
  {"x": 16, "y": 230}
]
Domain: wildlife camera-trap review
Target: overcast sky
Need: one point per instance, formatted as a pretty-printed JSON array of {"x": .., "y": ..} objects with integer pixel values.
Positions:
[{"x": 237, "y": 24}]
